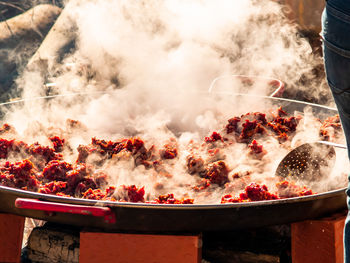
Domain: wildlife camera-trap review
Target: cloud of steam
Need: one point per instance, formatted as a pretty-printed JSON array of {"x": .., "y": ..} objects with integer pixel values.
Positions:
[{"x": 154, "y": 62}]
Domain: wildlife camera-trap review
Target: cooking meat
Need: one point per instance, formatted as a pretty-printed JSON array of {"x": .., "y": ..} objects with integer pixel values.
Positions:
[{"x": 205, "y": 164}]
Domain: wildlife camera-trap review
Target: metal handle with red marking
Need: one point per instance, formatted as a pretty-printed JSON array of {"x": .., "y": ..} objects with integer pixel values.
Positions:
[
  {"x": 51, "y": 207},
  {"x": 275, "y": 83}
]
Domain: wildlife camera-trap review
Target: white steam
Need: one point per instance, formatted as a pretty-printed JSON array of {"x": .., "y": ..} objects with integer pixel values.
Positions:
[{"x": 154, "y": 62}]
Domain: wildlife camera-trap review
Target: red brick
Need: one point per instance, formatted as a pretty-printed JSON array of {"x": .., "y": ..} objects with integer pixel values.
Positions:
[
  {"x": 11, "y": 235},
  {"x": 138, "y": 248},
  {"x": 318, "y": 241}
]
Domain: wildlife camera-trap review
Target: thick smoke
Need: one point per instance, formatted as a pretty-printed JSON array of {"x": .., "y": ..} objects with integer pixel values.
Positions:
[{"x": 146, "y": 67}]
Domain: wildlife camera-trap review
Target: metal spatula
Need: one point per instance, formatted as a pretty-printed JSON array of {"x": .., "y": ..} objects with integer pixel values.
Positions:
[{"x": 309, "y": 161}]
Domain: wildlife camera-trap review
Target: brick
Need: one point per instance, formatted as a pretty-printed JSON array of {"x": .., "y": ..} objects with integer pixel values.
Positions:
[
  {"x": 318, "y": 240},
  {"x": 11, "y": 236},
  {"x": 138, "y": 248}
]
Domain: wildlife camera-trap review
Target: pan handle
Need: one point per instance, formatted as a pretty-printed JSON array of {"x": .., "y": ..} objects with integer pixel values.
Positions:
[
  {"x": 277, "y": 93},
  {"x": 279, "y": 90},
  {"x": 52, "y": 207}
]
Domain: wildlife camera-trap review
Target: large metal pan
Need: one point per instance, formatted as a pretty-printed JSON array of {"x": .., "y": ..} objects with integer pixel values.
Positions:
[{"x": 114, "y": 216}]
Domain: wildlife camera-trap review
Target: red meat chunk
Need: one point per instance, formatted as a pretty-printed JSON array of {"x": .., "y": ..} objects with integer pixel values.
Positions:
[
  {"x": 53, "y": 187},
  {"x": 217, "y": 173},
  {"x": 105, "y": 147},
  {"x": 256, "y": 192},
  {"x": 84, "y": 185},
  {"x": 195, "y": 164},
  {"x": 42, "y": 154},
  {"x": 170, "y": 199},
  {"x": 134, "y": 194},
  {"x": 19, "y": 175},
  {"x": 256, "y": 150},
  {"x": 6, "y": 128},
  {"x": 95, "y": 194},
  {"x": 287, "y": 189},
  {"x": 255, "y": 147},
  {"x": 232, "y": 125},
  {"x": 57, "y": 143},
  {"x": 5, "y": 147},
  {"x": 79, "y": 174},
  {"x": 100, "y": 178},
  {"x": 331, "y": 128},
  {"x": 169, "y": 151},
  {"x": 250, "y": 128},
  {"x": 253, "y": 192},
  {"x": 258, "y": 116},
  {"x": 202, "y": 185},
  {"x": 281, "y": 112},
  {"x": 133, "y": 145},
  {"x": 56, "y": 170},
  {"x": 231, "y": 199},
  {"x": 84, "y": 152},
  {"x": 213, "y": 138}
]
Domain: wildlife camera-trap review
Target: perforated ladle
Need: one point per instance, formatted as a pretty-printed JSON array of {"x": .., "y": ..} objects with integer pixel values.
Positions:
[{"x": 309, "y": 161}]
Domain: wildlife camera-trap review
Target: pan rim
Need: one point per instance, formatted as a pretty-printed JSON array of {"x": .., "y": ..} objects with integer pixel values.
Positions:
[{"x": 80, "y": 201}]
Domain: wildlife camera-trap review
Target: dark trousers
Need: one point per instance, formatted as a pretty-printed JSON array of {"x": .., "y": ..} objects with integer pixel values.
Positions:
[{"x": 336, "y": 48}]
